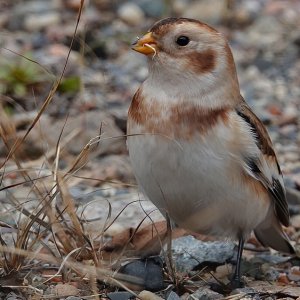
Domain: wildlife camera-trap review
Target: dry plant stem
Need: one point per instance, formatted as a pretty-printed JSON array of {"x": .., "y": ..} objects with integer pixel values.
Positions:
[
  {"x": 103, "y": 296},
  {"x": 51, "y": 93},
  {"x": 80, "y": 161},
  {"x": 61, "y": 266},
  {"x": 23, "y": 234},
  {"x": 101, "y": 234},
  {"x": 56, "y": 226},
  {"x": 79, "y": 268},
  {"x": 77, "y": 178},
  {"x": 40, "y": 292},
  {"x": 83, "y": 156},
  {"x": 134, "y": 233},
  {"x": 50, "y": 153},
  {"x": 54, "y": 187},
  {"x": 169, "y": 259},
  {"x": 31, "y": 60},
  {"x": 70, "y": 209},
  {"x": 237, "y": 297},
  {"x": 93, "y": 285},
  {"x": 19, "y": 206},
  {"x": 161, "y": 237}
]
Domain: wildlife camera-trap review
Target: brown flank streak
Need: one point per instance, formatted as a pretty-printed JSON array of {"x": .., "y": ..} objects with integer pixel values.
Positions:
[{"x": 179, "y": 121}]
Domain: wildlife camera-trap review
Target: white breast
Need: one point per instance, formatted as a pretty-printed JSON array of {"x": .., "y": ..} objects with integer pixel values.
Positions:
[{"x": 197, "y": 182}]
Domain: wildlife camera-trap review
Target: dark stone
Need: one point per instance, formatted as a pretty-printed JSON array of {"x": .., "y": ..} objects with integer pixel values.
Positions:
[
  {"x": 120, "y": 296},
  {"x": 148, "y": 272},
  {"x": 172, "y": 296}
]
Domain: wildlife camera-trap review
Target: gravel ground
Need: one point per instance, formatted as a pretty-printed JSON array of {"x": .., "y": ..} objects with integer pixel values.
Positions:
[{"x": 101, "y": 76}]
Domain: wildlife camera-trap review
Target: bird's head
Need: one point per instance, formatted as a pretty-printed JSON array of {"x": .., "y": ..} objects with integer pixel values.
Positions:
[{"x": 185, "y": 51}]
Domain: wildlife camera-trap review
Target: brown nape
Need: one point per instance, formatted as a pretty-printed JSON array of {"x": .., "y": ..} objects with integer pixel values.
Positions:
[
  {"x": 162, "y": 26},
  {"x": 180, "y": 121},
  {"x": 202, "y": 62}
]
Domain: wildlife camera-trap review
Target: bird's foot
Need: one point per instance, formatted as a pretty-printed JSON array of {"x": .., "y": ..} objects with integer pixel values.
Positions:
[
  {"x": 236, "y": 283},
  {"x": 220, "y": 288},
  {"x": 227, "y": 288}
]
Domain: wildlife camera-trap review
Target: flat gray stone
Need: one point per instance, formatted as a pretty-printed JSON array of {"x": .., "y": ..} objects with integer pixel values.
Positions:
[
  {"x": 119, "y": 296},
  {"x": 205, "y": 293},
  {"x": 172, "y": 296},
  {"x": 189, "y": 252}
]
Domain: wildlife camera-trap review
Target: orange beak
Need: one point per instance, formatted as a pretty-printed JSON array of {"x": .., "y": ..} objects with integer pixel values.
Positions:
[{"x": 146, "y": 44}]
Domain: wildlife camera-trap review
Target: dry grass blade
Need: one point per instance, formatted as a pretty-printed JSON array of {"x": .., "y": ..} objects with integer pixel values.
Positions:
[
  {"x": 70, "y": 209},
  {"x": 22, "y": 241},
  {"x": 80, "y": 161},
  {"x": 118, "y": 183},
  {"x": 49, "y": 98},
  {"x": 119, "y": 214},
  {"x": 8, "y": 134},
  {"x": 169, "y": 258},
  {"x": 22, "y": 183},
  {"x": 49, "y": 224},
  {"x": 31, "y": 60},
  {"x": 80, "y": 268}
]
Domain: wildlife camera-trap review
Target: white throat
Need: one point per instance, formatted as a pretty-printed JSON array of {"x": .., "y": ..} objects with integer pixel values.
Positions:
[{"x": 207, "y": 90}]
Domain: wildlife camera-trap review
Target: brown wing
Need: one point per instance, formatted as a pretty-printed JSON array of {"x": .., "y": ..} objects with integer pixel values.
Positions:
[{"x": 265, "y": 168}]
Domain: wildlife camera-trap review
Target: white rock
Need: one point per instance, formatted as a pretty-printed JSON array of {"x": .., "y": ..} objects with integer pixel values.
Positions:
[
  {"x": 179, "y": 6},
  {"x": 291, "y": 156},
  {"x": 35, "y": 22},
  {"x": 146, "y": 295},
  {"x": 131, "y": 13},
  {"x": 204, "y": 293},
  {"x": 210, "y": 11}
]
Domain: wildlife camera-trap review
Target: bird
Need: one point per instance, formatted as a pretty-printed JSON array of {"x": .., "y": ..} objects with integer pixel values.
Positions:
[{"x": 197, "y": 150}]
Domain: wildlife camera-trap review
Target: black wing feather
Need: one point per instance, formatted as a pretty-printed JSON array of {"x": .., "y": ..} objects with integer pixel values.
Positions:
[{"x": 264, "y": 143}]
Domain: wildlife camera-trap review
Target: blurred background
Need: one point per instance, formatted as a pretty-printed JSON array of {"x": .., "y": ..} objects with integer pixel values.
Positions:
[
  {"x": 78, "y": 140},
  {"x": 103, "y": 73}
]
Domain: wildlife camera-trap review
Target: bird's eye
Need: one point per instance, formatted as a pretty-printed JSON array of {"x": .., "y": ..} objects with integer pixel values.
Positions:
[{"x": 182, "y": 40}]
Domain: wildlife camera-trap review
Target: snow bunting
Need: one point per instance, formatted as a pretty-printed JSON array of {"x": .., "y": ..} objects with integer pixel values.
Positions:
[{"x": 198, "y": 151}]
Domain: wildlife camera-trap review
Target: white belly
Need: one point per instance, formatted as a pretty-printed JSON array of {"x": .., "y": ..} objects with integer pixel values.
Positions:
[{"x": 197, "y": 182}]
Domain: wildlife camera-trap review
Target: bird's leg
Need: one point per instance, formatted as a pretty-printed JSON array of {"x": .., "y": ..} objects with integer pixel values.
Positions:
[
  {"x": 236, "y": 279},
  {"x": 169, "y": 259}
]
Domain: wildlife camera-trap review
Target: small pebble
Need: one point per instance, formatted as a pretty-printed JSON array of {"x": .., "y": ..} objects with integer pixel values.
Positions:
[
  {"x": 294, "y": 274},
  {"x": 271, "y": 274},
  {"x": 282, "y": 278},
  {"x": 205, "y": 294},
  {"x": 120, "y": 296},
  {"x": 35, "y": 22},
  {"x": 210, "y": 11},
  {"x": 172, "y": 296},
  {"x": 153, "y": 8},
  {"x": 131, "y": 14},
  {"x": 146, "y": 295}
]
